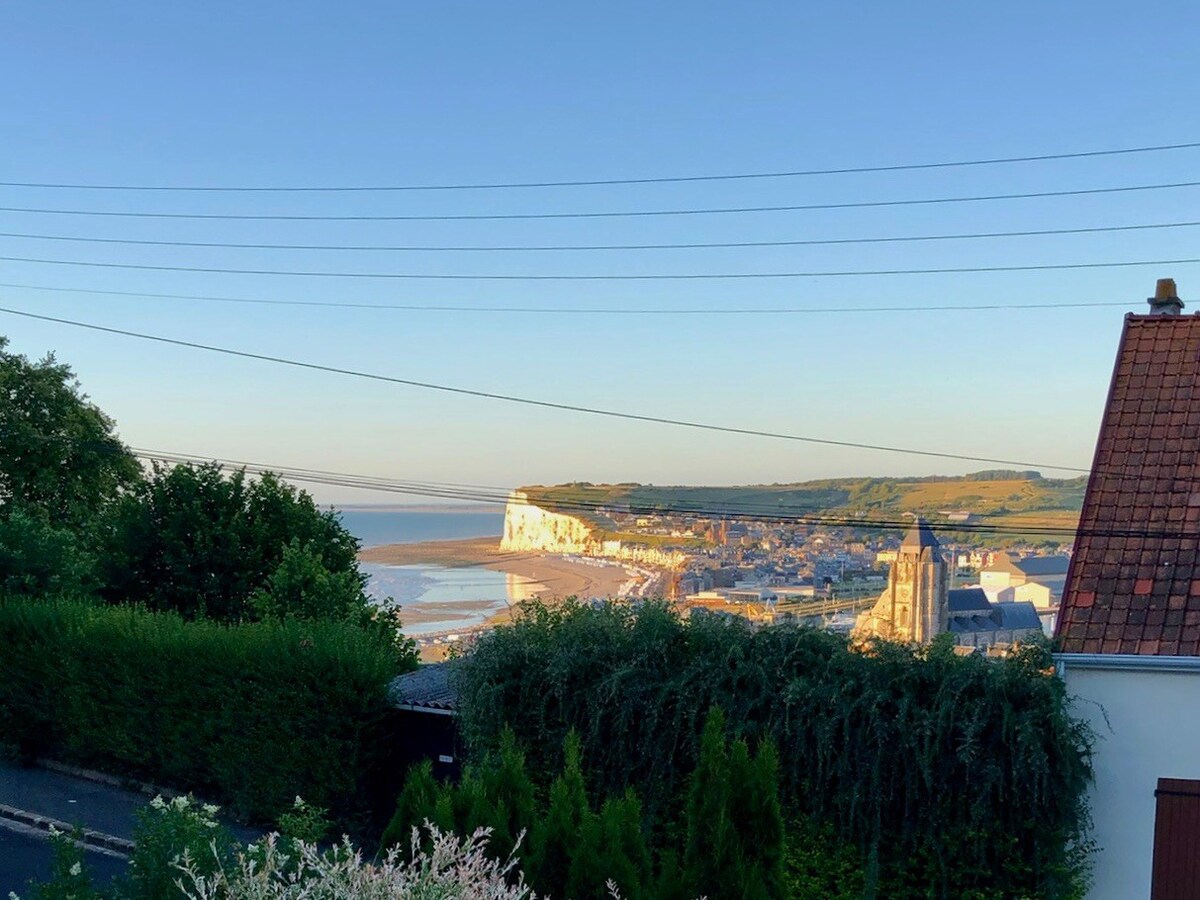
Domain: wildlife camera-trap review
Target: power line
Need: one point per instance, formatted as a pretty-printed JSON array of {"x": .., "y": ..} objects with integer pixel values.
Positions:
[
  {"x": 527, "y": 401},
  {"x": 688, "y": 276},
  {"x": 594, "y": 310},
  {"x": 478, "y": 217},
  {"x": 905, "y": 167},
  {"x": 385, "y": 248},
  {"x": 725, "y": 509}
]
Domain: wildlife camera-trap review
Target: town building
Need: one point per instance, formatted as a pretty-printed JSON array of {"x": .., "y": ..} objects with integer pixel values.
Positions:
[
  {"x": 1007, "y": 571},
  {"x": 1129, "y": 630},
  {"x": 917, "y": 605}
]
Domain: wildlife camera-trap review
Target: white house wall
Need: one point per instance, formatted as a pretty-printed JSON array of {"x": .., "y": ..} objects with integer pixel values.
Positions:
[{"x": 1152, "y": 731}]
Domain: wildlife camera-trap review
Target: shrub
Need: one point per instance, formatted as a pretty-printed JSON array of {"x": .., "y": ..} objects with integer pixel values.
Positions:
[
  {"x": 972, "y": 767},
  {"x": 195, "y": 541},
  {"x": 250, "y": 715},
  {"x": 167, "y": 831},
  {"x": 450, "y": 870}
]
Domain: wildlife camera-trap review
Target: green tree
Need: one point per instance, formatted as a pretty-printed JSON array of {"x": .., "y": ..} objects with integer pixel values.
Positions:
[
  {"x": 414, "y": 807},
  {"x": 557, "y": 838},
  {"x": 510, "y": 793},
  {"x": 710, "y": 857},
  {"x": 303, "y": 587},
  {"x": 61, "y": 458},
  {"x": 38, "y": 559},
  {"x": 206, "y": 545}
]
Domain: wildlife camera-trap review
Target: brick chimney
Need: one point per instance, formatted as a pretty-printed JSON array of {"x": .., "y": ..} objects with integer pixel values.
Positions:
[{"x": 1165, "y": 301}]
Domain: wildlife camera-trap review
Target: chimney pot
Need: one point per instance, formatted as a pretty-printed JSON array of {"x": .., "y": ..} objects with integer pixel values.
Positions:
[{"x": 1165, "y": 301}]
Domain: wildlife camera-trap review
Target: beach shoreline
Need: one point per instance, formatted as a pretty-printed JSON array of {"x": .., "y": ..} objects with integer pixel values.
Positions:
[
  {"x": 545, "y": 577},
  {"x": 553, "y": 577}
]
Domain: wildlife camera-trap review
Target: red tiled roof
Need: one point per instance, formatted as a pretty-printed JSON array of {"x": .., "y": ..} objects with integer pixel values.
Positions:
[{"x": 1135, "y": 593}]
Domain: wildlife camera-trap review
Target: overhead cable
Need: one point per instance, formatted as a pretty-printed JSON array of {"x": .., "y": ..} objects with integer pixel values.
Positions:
[
  {"x": 479, "y": 217},
  {"x": 519, "y": 248},
  {"x": 743, "y": 176},
  {"x": 527, "y": 401},
  {"x": 722, "y": 510},
  {"x": 591, "y": 310},
  {"x": 686, "y": 276}
]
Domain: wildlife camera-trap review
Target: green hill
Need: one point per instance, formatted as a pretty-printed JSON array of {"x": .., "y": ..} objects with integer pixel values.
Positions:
[{"x": 1004, "y": 498}]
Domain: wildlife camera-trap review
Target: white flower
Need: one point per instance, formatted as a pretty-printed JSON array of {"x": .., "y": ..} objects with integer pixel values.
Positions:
[
  {"x": 298, "y": 802},
  {"x": 158, "y": 802},
  {"x": 75, "y": 870},
  {"x": 210, "y": 809}
]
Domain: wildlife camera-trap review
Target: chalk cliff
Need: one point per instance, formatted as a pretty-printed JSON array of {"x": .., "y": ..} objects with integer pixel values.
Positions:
[{"x": 528, "y": 527}]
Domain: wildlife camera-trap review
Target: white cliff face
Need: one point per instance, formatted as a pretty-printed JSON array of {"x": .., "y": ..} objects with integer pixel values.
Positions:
[{"x": 529, "y": 527}]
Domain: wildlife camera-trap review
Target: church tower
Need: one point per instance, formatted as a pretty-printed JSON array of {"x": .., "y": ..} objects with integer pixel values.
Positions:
[{"x": 914, "y": 608}]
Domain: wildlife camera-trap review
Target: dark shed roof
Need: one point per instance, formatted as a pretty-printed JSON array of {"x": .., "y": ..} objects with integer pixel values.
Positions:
[{"x": 427, "y": 688}]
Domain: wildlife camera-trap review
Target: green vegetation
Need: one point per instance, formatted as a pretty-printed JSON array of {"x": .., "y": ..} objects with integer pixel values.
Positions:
[
  {"x": 727, "y": 842},
  {"x": 946, "y": 776},
  {"x": 206, "y": 545},
  {"x": 61, "y": 460},
  {"x": 249, "y": 714},
  {"x": 1023, "y": 499}
]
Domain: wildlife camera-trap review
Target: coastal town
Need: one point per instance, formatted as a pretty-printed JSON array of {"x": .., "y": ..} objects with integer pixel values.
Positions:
[
  {"x": 763, "y": 571},
  {"x": 611, "y": 451}
]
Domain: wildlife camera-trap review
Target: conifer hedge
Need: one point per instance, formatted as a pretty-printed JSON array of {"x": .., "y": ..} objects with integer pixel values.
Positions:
[
  {"x": 247, "y": 715},
  {"x": 954, "y": 776}
]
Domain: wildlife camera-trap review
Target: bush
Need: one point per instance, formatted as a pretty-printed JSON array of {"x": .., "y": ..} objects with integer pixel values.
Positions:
[
  {"x": 946, "y": 773},
  {"x": 249, "y": 715},
  {"x": 731, "y": 830},
  {"x": 192, "y": 540}
]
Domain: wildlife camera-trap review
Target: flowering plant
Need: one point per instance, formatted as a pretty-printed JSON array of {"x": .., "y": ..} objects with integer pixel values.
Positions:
[{"x": 451, "y": 869}]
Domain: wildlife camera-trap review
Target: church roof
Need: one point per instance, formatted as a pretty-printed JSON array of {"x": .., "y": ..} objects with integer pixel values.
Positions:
[
  {"x": 1134, "y": 580},
  {"x": 919, "y": 537},
  {"x": 1016, "y": 616},
  {"x": 963, "y": 600}
]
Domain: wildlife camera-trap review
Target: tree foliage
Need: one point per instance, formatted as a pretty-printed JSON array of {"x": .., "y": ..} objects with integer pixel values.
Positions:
[
  {"x": 565, "y": 844},
  {"x": 195, "y": 541},
  {"x": 945, "y": 772},
  {"x": 61, "y": 459}
]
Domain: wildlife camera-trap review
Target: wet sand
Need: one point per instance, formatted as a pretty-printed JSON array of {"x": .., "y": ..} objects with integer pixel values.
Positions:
[{"x": 556, "y": 578}]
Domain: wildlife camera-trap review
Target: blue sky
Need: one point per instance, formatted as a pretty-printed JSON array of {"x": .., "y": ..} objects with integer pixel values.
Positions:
[{"x": 387, "y": 93}]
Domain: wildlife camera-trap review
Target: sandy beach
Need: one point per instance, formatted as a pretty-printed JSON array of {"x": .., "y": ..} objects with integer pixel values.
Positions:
[
  {"x": 545, "y": 577},
  {"x": 557, "y": 577}
]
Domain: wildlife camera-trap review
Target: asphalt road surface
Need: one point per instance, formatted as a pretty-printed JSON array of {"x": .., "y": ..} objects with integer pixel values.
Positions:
[{"x": 25, "y": 858}]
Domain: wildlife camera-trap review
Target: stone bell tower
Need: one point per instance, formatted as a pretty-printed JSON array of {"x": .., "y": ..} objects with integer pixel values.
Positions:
[{"x": 914, "y": 608}]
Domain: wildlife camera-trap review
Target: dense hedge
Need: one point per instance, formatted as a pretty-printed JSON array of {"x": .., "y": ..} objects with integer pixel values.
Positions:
[
  {"x": 248, "y": 715},
  {"x": 954, "y": 776}
]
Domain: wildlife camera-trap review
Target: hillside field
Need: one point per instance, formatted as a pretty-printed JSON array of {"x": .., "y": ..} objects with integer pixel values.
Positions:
[{"x": 1016, "y": 500}]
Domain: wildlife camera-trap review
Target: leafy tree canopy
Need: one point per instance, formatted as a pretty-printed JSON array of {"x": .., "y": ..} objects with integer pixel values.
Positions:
[
  {"x": 61, "y": 459},
  {"x": 208, "y": 545}
]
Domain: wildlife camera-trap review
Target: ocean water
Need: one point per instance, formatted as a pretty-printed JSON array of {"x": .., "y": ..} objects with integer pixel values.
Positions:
[
  {"x": 390, "y": 526},
  {"x": 463, "y": 595}
]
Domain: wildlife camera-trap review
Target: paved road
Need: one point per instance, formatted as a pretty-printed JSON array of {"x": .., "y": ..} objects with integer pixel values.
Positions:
[
  {"x": 24, "y": 858},
  {"x": 78, "y": 801},
  {"x": 74, "y": 800}
]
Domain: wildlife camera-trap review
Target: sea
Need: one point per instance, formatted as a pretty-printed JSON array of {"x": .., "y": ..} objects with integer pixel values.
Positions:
[
  {"x": 375, "y": 527},
  {"x": 477, "y": 592}
]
